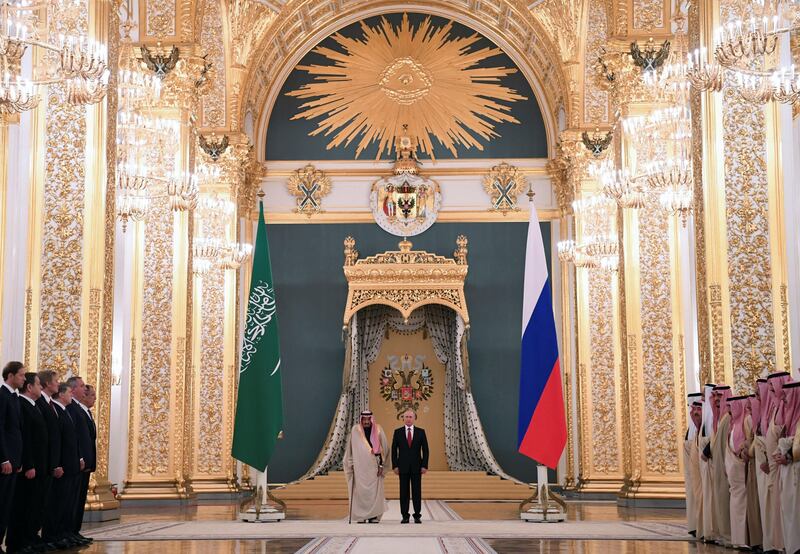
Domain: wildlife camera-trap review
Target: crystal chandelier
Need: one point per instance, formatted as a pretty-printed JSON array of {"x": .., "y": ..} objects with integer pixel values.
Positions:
[
  {"x": 677, "y": 201},
  {"x": 75, "y": 62},
  {"x": 182, "y": 190},
  {"x": 600, "y": 249},
  {"x": 744, "y": 50},
  {"x": 235, "y": 254},
  {"x": 209, "y": 253},
  {"x": 133, "y": 199}
]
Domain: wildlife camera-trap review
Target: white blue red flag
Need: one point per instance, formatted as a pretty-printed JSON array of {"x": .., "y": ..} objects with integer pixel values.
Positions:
[{"x": 542, "y": 428}]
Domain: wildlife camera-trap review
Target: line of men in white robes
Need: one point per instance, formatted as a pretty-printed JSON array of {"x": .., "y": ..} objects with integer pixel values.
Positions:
[{"x": 742, "y": 466}]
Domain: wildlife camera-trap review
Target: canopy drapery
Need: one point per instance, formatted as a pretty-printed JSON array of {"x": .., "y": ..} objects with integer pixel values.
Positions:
[{"x": 465, "y": 442}]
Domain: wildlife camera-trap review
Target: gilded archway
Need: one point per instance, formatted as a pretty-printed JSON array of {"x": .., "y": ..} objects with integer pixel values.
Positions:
[{"x": 295, "y": 32}]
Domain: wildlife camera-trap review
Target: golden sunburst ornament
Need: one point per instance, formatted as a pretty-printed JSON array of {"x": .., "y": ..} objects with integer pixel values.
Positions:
[{"x": 420, "y": 77}]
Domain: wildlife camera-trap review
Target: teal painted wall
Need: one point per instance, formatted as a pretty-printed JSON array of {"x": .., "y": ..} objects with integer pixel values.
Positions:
[
  {"x": 290, "y": 140},
  {"x": 311, "y": 292}
]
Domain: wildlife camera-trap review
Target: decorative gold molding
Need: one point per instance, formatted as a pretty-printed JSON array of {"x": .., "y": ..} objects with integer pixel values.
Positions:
[
  {"x": 361, "y": 168},
  {"x": 405, "y": 279},
  {"x": 521, "y": 216}
]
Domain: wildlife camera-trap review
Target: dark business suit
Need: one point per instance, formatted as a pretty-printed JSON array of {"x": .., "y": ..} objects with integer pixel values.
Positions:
[
  {"x": 65, "y": 489},
  {"x": 410, "y": 460},
  {"x": 26, "y": 518},
  {"x": 87, "y": 447},
  {"x": 10, "y": 450},
  {"x": 48, "y": 410}
]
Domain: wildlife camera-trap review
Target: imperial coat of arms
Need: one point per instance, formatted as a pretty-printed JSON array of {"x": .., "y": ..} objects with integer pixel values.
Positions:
[
  {"x": 405, "y": 205},
  {"x": 406, "y": 382}
]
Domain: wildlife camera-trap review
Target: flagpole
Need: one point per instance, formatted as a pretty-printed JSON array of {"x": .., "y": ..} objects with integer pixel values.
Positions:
[
  {"x": 546, "y": 505},
  {"x": 262, "y": 511}
]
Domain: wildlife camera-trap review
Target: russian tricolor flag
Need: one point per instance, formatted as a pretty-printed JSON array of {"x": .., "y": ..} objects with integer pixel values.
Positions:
[{"x": 542, "y": 428}]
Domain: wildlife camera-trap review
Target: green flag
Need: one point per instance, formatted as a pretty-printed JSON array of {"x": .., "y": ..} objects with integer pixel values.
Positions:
[{"x": 259, "y": 407}]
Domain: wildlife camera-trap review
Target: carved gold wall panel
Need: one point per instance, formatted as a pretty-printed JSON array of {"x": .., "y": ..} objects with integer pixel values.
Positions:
[
  {"x": 61, "y": 272},
  {"x": 658, "y": 376},
  {"x": 213, "y": 376},
  {"x": 160, "y": 17},
  {"x": 214, "y": 102},
  {"x": 156, "y": 392},
  {"x": 650, "y": 15},
  {"x": 595, "y": 98}
]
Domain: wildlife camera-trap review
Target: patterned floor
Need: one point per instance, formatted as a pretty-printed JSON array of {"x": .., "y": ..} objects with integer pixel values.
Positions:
[{"x": 443, "y": 531}]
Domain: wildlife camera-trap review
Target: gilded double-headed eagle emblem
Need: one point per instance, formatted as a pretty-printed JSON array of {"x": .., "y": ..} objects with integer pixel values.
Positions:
[{"x": 406, "y": 382}]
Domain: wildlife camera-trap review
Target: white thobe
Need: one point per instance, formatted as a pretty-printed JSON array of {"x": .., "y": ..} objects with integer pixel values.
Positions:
[{"x": 364, "y": 485}]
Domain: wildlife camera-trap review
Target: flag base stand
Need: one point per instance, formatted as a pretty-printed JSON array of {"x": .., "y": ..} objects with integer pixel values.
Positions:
[
  {"x": 546, "y": 505},
  {"x": 261, "y": 511},
  {"x": 262, "y": 507}
]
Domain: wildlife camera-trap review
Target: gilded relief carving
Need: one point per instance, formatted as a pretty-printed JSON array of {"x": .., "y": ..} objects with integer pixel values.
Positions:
[
  {"x": 657, "y": 347},
  {"x": 212, "y": 453},
  {"x": 160, "y": 18},
  {"x": 521, "y": 31},
  {"x": 248, "y": 21},
  {"x": 717, "y": 337},
  {"x": 595, "y": 98},
  {"x": 605, "y": 446},
  {"x": 62, "y": 227},
  {"x": 703, "y": 323},
  {"x": 104, "y": 376},
  {"x": 648, "y": 15},
  {"x": 785, "y": 326},
  {"x": 749, "y": 263},
  {"x": 213, "y": 104},
  {"x": 156, "y": 391},
  {"x": 634, "y": 439}
]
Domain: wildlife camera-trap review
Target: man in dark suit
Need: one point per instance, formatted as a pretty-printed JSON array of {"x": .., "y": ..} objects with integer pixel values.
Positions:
[
  {"x": 49, "y": 382},
  {"x": 87, "y": 447},
  {"x": 65, "y": 489},
  {"x": 26, "y": 516},
  {"x": 10, "y": 439},
  {"x": 410, "y": 462}
]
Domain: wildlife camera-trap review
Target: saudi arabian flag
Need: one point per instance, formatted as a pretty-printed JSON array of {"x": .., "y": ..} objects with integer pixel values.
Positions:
[{"x": 259, "y": 407}]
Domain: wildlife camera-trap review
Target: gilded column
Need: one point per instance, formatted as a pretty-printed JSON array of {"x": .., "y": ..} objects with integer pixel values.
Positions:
[
  {"x": 742, "y": 221},
  {"x": 651, "y": 312},
  {"x": 215, "y": 343},
  {"x": 98, "y": 254},
  {"x": 598, "y": 385},
  {"x": 58, "y": 194},
  {"x": 161, "y": 416}
]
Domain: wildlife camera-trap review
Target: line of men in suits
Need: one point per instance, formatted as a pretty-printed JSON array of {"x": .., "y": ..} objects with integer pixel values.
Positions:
[{"x": 47, "y": 453}]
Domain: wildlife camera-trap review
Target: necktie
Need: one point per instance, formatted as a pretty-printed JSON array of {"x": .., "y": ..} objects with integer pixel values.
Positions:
[
  {"x": 408, "y": 435},
  {"x": 90, "y": 414}
]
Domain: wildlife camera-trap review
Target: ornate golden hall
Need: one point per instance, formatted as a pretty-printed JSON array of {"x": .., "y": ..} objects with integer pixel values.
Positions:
[{"x": 398, "y": 150}]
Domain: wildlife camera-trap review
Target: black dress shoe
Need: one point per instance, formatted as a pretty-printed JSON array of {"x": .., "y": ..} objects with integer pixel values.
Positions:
[
  {"x": 404, "y": 520},
  {"x": 84, "y": 538},
  {"x": 417, "y": 519}
]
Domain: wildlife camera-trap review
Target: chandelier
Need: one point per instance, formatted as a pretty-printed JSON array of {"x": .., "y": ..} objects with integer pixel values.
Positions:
[
  {"x": 677, "y": 201},
  {"x": 209, "y": 253},
  {"x": 600, "y": 249},
  {"x": 743, "y": 51},
  {"x": 75, "y": 62}
]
